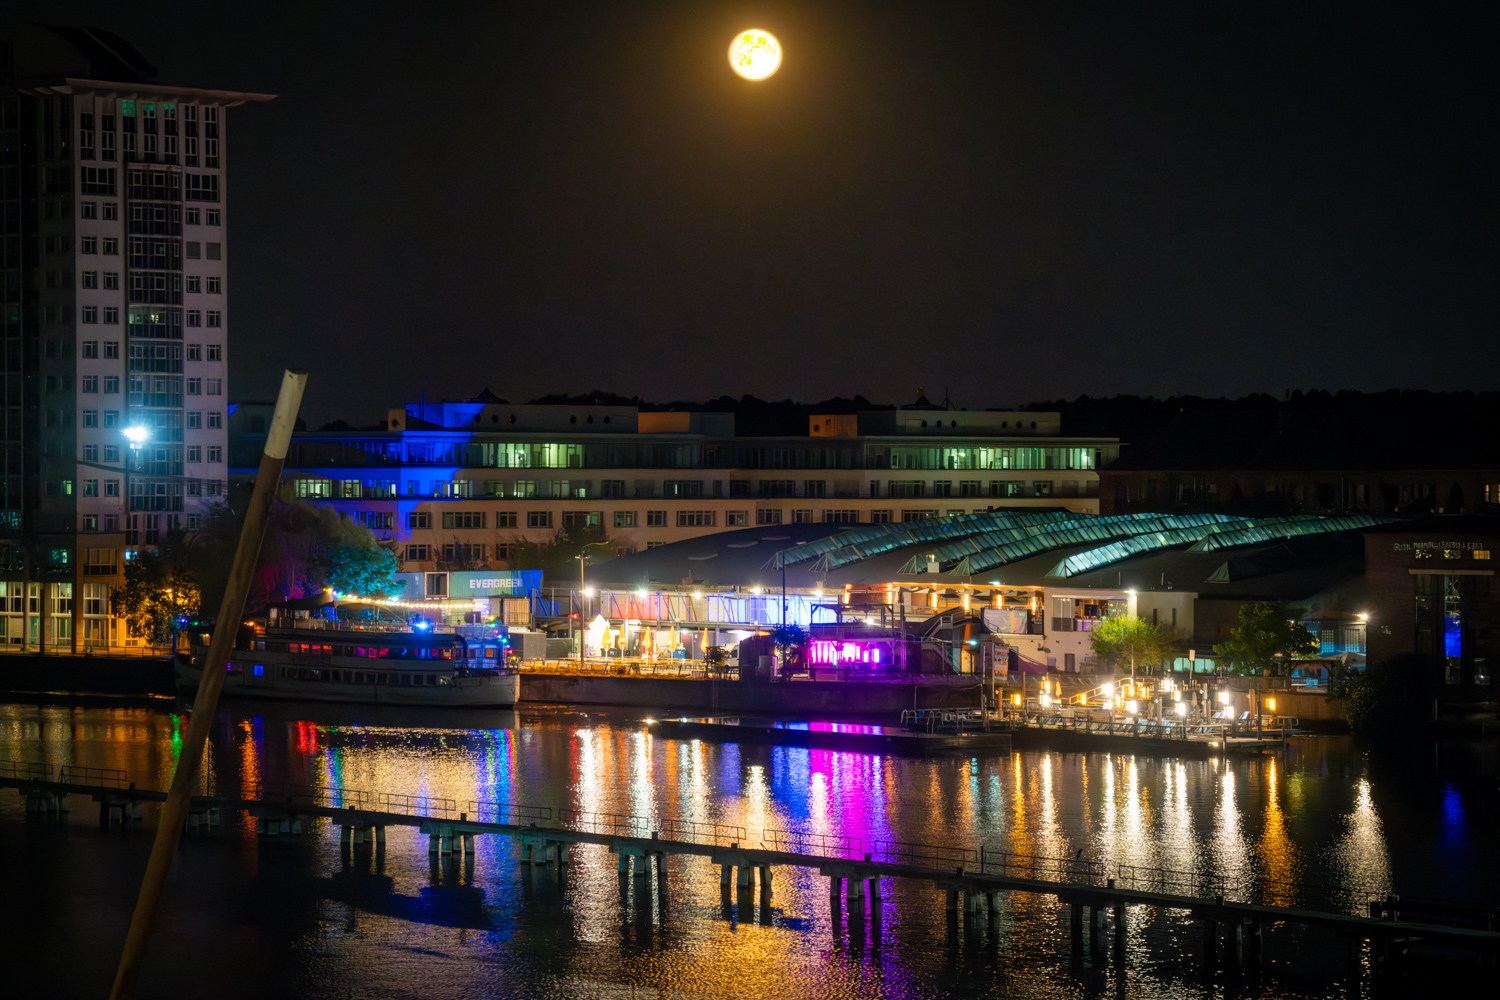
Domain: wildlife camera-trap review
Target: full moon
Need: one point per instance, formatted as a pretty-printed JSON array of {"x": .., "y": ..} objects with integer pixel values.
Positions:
[{"x": 755, "y": 54}]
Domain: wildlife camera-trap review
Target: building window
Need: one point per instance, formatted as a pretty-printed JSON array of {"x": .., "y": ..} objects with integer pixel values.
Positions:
[
  {"x": 111, "y": 348},
  {"x": 969, "y": 488},
  {"x": 111, "y": 453},
  {"x": 192, "y": 250},
  {"x": 112, "y": 280},
  {"x": 195, "y": 216},
  {"x": 1007, "y": 488},
  {"x": 815, "y": 487},
  {"x": 91, "y": 522},
  {"x": 880, "y": 517},
  {"x": 611, "y": 488},
  {"x": 904, "y": 488},
  {"x": 89, "y": 244},
  {"x": 695, "y": 519},
  {"x": 538, "y": 519},
  {"x": 213, "y": 217},
  {"x": 573, "y": 519},
  {"x": 214, "y": 251},
  {"x": 89, "y": 279},
  {"x": 505, "y": 519},
  {"x": 111, "y": 418},
  {"x": 215, "y": 318},
  {"x": 89, "y": 210},
  {"x": 215, "y": 284},
  {"x": 418, "y": 552},
  {"x": 91, "y": 487},
  {"x": 195, "y": 352},
  {"x": 194, "y": 453},
  {"x": 215, "y": 453},
  {"x": 216, "y": 352},
  {"x": 194, "y": 317},
  {"x": 841, "y": 516},
  {"x": 112, "y": 384},
  {"x": 91, "y": 348},
  {"x": 91, "y": 383},
  {"x": 111, "y": 247},
  {"x": 111, "y": 487},
  {"x": 656, "y": 519},
  {"x": 215, "y": 387},
  {"x": 624, "y": 518},
  {"x": 112, "y": 315},
  {"x": 686, "y": 488},
  {"x": 194, "y": 283},
  {"x": 736, "y": 518},
  {"x": 418, "y": 519},
  {"x": 91, "y": 453},
  {"x": 194, "y": 419},
  {"x": 768, "y": 515},
  {"x": 1041, "y": 488},
  {"x": 98, "y": 180},
  {"x": 942, "y": 488},
  {"x": 375, "y": 520},
  {"x": 463, "y": 519},
  {"x": 195, "y": 387},
  {"x": 918, "y": 515},
  {"x": 91, "y": 418},
  {"x": 801, "y": 516},
  {"x": 216, "y": 422}
]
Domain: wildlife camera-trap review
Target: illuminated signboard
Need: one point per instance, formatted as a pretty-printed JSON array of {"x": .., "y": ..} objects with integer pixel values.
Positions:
[{"x": 828, "y": 653}]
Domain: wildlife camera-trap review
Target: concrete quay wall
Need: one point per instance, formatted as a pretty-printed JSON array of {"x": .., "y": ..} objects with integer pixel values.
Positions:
[
  {"x": 116, "y": 676},
  {"x": 846, "y": 697}
]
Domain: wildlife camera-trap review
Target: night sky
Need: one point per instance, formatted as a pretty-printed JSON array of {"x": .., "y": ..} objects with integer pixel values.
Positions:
[{"x": 1007, "y": 201}]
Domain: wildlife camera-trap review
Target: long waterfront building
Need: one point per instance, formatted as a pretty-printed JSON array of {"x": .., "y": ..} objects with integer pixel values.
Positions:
[
  {"x": 114, "y": 290},
  {"x": 458, "y": 485}
]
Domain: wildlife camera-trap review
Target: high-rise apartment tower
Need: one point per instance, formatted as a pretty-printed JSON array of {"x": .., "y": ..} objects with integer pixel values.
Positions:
[{"x": 114, "y": 293}]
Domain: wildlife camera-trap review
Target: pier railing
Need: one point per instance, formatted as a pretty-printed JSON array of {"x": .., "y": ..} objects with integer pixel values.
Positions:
[{"x": 31, "y": 777}]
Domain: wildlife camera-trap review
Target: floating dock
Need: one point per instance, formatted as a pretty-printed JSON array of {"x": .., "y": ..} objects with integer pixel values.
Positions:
[{"x": 848, "y": 737}]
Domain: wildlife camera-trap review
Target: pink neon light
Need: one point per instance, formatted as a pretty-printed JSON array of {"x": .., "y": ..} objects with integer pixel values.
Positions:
[{"x": 828, "y": 653}]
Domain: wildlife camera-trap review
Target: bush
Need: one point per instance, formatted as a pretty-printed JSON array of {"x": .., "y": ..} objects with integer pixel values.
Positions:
[{"x": 1389, "y": 696}]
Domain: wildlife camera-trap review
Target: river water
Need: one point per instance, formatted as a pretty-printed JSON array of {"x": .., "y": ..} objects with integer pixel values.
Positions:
[{"x": 303, "y": 917}]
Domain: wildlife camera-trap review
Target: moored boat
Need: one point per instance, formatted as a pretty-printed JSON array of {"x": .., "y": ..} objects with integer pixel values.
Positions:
[{"x": 362, "y": 667}]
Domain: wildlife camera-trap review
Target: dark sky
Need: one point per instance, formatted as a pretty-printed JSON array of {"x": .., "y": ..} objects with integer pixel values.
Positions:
[{"x": 1012, "y": 201}]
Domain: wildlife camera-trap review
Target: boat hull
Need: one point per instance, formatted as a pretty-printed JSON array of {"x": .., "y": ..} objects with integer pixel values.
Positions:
[{"x": 497, "y": 691}]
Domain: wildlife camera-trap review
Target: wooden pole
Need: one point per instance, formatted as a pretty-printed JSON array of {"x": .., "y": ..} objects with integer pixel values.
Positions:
[{"x": 174, "y": 811}]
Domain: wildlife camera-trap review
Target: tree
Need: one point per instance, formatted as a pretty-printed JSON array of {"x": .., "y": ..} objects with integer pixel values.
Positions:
[
  {"x": 1128, "y": 638},
  {"x": 1388, "y": 698},
  {"x": 159, "y": 594},
  {"x": 715, "y": 657},
  {"x": 557, "y": 557},
  {"x": 352, "y": 560},
  {"x": 787, "y": 638},
  {"x": 1266, "y": 638}
]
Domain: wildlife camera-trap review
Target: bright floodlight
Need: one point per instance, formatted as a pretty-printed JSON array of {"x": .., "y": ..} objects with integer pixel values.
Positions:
[
  {"x": 1109, "y": 690},
  {"x": 137, "y": 434}
]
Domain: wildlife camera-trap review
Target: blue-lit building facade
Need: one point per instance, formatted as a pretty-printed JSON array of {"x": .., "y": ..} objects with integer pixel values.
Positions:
[{"x": 458, "y": 485}]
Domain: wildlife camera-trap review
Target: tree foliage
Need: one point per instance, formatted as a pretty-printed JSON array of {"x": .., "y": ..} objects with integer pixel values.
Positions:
[
  {"x": 351, "y": 560},
  {"x": 160, "y": 593},
  {"x": 1387, "y": 698},
  {"x": 1126, "y": 639},
  {"x": 557, "y": 557},
  {"x": 1266, "y": 638},
  {"x": 789, "y": 637}
]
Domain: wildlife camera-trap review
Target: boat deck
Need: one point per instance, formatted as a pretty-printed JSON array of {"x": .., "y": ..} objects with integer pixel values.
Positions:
[{"x": 851, "y": 737}]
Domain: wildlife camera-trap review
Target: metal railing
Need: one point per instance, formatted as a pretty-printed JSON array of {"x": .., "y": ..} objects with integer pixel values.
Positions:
[
  {"x": 510, "y": 813},
  {"x": 77, "y": 774},
  {"x": 417, "y": 805},
  {"x": 1174, "y": 881},
  {"x": 801, "y": 842},
  {"x": 902, "y": 852},
  {"x": 25, "y": 770},
  {"x": 1036, "y": 866}
]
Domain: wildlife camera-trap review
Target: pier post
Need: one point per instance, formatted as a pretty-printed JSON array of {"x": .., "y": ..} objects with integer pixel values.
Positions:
[
  {"x": 971, "y": 902},
  {"x": 765, "y": 883},
  {"x": 468, "y": 841},
  {"x": 855, "y": 889},
  {"x": 952, "y": 901},
  {"x": 213, "y": 816},
  {"x": 1121, "y": 929},
  {"x": 744, "y": 877},
  {"x": 875, "y": 895},
  {"x": 285, "y": 824},
  {"x": 1075, "y": 928},
  {"x": 835, "y": 890},
  {"x": 1096, "y": 932},
  {"x": 432, "y": 843},
  {"x": 380, "y": 835},
  {"x": 726, "y": 878},
  {"x": 1210, "y": 943}
]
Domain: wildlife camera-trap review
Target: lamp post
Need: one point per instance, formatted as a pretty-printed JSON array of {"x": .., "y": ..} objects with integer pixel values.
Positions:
[{"x": 583, "y": 594}]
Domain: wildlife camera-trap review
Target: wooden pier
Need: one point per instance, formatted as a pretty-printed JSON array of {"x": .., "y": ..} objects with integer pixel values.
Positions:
[{"x": 1099, "y": 897}]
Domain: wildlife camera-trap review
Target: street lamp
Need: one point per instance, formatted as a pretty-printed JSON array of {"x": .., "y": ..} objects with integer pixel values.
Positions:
[{"x": 584, "y": 593}]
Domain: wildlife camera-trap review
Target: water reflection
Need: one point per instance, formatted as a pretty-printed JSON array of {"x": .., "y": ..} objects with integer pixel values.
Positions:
[{"x": 389, "y": 921}]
